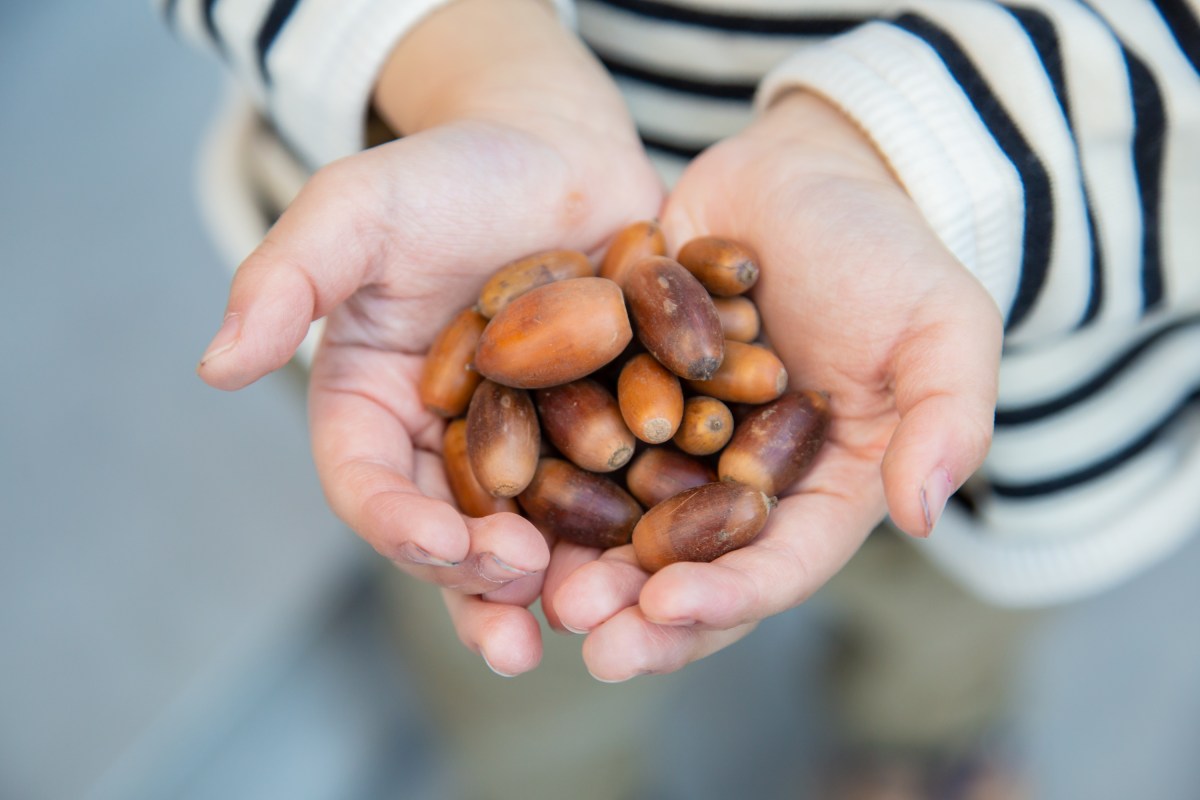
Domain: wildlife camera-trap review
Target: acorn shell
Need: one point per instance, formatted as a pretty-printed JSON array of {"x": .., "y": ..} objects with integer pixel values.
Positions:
[
  {"x": 472, "y": 499},
  {"x": 700, "y": 524},
  {"x": 740, "y": 321},
  {"x": 650, "y": 398},
  {"x": 579, "y": 506},
  {"x": 555, "y": 334},
  {"x": 583, "y": 421},
  {"x": 503, "y": 438},
  {"x": 518, "y": 277},
  {"x": 750, "y": 373},
  {"x": 630, "y": 245},
  {"x": 447, "y": 377},
  {"x": 706, "y": 427},
  {"x": 661, "y": 472},
  {"x": 725, "y": 267},
  {"x": 675, "y": 317},
  {"x": 776, "y": 443}
]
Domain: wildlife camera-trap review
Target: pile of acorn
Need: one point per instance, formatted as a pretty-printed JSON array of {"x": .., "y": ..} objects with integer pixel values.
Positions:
[{"x": 549, "y": 350}]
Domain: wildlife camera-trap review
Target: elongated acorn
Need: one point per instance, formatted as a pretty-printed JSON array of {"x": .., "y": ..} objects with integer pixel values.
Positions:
[
  {"x": 776, "y": 443},
  {"x": 447, "y": 378},
  {"x": 518, "y": 277},
  {"x": 630, "y": 245},
  {"x": 650, "y": 398},
  {"x": 503, "y": 438},
  {"x": 739, "y": 318},
  {"x": 706, "y": 427},
  {"x": 675, "y": 317},
  {"x": 700, "y": 524},
  {"x": 472, "y": 499},
  {"x": 582, "y": 420},
  {"x": 555, "y": 334},
  {"x": 725, "y": 267},
  {"x": 661, "y": 472},
  {"x": 750, "y": 373},
  {"x": 579, "y": 506}
]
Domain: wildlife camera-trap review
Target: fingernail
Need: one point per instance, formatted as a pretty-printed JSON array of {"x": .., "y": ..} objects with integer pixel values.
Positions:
[
  {"x": 621, "y": 680},
  {"x": 415, "y": 554},
  {"x": 497, "y": 571},
  {"x": 493, "y": 669},
  {"x": 682, "y": 622},
  {"x": 935, "y": 491},
  {"x": 579, "y": 631},
  {"x": 225, "y": 339}
]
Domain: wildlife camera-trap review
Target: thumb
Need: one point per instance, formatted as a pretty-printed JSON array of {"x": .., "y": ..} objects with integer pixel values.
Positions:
[{"x": 316, "y": 255}]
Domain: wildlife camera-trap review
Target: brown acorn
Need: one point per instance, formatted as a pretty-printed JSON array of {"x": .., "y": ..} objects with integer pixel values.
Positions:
[
  {"x": 583, "y": 421},
  {"x": 706, "y": 427},
  {"x": 472, "y": 499},
  {"x": 503, "y": 438},
  {"x": 651, "y": 399},
  {"x": 675, "y": 317},
  {"x": 725, "y": 267},
  {"x": 739, "y": 318},
  {"x": 447, "y": 378},
  {"x": 700, "y": 524},
  {"x": 518, "y": 277},
  {"x": 750, "y": 373},
  {"x": 578, "y": 505},
  {"x": 555, "y": 334},
  {"x": 630, "y": 245},
  {"x": 661, "y": 472},
  {"x": 776, "y": 443}
]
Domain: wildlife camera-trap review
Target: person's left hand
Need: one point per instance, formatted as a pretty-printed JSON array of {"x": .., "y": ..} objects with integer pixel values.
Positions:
[{"x": 860, "y": 299}]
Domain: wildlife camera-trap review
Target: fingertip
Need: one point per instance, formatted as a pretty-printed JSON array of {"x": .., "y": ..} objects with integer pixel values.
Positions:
[
  {"x": 510, "y": 642},
  {"x": 399, "y": 524},
  {"x": 512, "y": 539}
]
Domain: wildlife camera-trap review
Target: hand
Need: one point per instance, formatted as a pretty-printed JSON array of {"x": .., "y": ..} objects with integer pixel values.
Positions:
[
  {"x": 859, "y": 299},
  {"x": 515, "y": 141}
]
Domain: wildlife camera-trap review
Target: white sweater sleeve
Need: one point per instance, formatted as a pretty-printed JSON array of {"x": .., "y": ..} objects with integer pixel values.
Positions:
[{"x": 310, "y": 65}]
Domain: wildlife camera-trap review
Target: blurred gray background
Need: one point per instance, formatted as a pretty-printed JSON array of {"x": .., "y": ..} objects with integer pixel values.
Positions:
[{"x": 180, "y": 615}]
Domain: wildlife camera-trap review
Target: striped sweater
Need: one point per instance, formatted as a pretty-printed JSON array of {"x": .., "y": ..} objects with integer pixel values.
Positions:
[{"x": 1053, "y": 145}]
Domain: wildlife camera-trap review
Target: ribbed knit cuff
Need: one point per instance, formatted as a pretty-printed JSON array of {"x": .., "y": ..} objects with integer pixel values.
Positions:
[
  {"x": 325, "y": 70},
  {"x": 900, "y": 93}
]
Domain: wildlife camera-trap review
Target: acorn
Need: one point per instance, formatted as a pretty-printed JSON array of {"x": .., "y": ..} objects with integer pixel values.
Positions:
[
  {"x": 776, "y": 443},
  {"x": 675, "y": 317},
  {"x": 503, "y": 438},
  {"x": 447, "y": 378},
  {"x": 555, "y": 334},
  {"x": 700, "y": 524},
  {"x": 725, "y": 267},
  {"x": 579, "y": 506},
  {"x": 739, "y": 318},
  {"x": 583, "y": 421},
  {"x": 661, "y": 472},
  {"x": 750, "y": 373},
  {"x": 650, "y": 398},
  {"x": 518, "y": 277},
  {"x": 630, "y": 245},
  {"x": 472, "y": 499},
  {"x": 706, "y": 427}
]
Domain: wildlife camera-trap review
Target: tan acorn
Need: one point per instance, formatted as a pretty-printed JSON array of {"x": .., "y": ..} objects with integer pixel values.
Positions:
[
  {"x": 555, "y": 334},
  {"x": 582, "y": 420},
  {"x": 447, "y": 378},
  {"x": 706, "y": 427},
  {"x": 700, "y": 524},
  {"x": 650, "y": 398},
  {"x": 725, "y": 267},
  {"x": 472, "y": 499},
  {"x": 661, "y": 472},
  {"x": 503, "y": 438},
  {"x": 776, "y": 443},
  {"x": 675, "y": 317},
  {"x": 579, "y": 506},
  {"x": 630, "y": 245},
  {"x": 518, "y": 277},
  {"x": 750, "y": 373},
  {"x": 739, "y": 318}
]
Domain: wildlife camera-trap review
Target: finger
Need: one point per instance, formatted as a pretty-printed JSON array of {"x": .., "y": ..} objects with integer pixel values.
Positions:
[
  {"x": 565, "y": 558},
  {"x": 315, "y": 256},
  {"x": 598, "y": 590},
  {"x": 629, "y": 645},
  {"x": 507, "y": 637},
  {"x": 945, "y": 391}
]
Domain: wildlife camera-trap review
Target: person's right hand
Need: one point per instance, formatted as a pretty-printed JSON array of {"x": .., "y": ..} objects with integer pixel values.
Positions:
[{"x": 515, "y": 141}]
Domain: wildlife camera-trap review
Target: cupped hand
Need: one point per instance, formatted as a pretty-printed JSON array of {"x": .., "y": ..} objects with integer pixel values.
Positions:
[
  {"x": 389, "y": 244},
  {"x": 860, "y": 299}
]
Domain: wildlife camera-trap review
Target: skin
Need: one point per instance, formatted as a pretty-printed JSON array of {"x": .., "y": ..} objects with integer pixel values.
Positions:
[{"x": 516, "y": 141}]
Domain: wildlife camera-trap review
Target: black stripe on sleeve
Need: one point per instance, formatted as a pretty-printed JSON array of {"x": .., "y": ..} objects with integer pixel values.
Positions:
[
  {"x": 277, "y": 17},
  {"x": 713, "y": 89},
  {"x": 1042, "y": 34},
  {"x": 210, "y": 24},
  {"x": 1102, "y": 467},
  {"x": 1184, "y": 27},
  {"x": 679, "y": 150},
  {"x": 1012, "y": 417},
  {"x": 733, "y": 22},
  {"x": 169, "y": 10},
  {"x": 1150, "y": 125},
  {"x": 1039, "y": 207}
]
